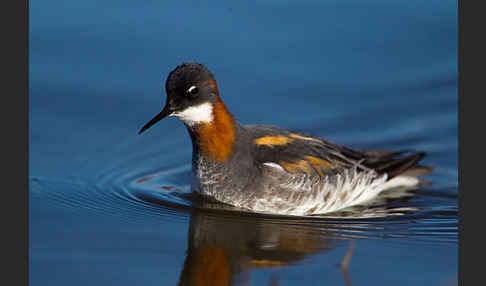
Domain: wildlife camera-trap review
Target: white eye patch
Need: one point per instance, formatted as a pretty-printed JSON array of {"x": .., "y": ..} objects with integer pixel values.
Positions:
[{"x": 196, "y": 114}]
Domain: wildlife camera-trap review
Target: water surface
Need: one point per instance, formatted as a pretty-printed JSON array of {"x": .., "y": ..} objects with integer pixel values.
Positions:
[{"x": 110, "y": 207}]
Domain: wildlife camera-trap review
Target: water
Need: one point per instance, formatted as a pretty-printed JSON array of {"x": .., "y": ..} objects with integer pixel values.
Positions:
[{"x": 110, "y": 207}]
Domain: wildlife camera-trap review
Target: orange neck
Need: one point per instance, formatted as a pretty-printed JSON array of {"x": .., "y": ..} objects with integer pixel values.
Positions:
[{"x": 216, "y": 138}]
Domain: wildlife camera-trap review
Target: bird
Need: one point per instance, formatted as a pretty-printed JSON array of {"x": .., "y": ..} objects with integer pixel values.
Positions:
[{"x": 273, "y": 170}]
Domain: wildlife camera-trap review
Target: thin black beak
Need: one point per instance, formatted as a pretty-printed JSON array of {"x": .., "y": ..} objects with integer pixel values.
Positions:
[{"x": 164, "y": 113}]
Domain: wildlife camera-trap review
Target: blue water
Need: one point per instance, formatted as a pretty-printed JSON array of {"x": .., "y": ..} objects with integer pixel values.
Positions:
[{"x": 108, "y": 206}]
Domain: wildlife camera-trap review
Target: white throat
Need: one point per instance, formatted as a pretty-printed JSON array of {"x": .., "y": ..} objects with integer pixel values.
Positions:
[{"x": 202, "y": 113}]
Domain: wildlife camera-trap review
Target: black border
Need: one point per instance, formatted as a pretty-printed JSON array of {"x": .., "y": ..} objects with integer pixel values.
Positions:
[
  {"x": 15, "y": 134},
  {"x": 471, "y": 65}
]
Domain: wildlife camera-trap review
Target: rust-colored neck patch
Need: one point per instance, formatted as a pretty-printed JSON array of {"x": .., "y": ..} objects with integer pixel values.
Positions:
[{"x": 218, "y": 136}]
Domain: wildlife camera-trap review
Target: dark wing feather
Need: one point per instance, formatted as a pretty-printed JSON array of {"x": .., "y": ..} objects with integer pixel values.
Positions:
[{"x": 302, "y": 149}]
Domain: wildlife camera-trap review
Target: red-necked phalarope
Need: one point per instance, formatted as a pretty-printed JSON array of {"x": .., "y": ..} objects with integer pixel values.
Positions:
[{"x": 273, "y": 170}]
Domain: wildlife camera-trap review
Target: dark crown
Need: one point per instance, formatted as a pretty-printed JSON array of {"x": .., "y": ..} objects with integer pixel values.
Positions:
[{"x": 186, "y": 74}]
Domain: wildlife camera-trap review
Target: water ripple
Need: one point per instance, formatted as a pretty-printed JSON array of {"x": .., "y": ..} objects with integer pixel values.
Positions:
[{"x": 136, "y": 194}]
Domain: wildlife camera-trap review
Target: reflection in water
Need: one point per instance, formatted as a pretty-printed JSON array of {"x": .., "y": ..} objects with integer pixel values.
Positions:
[
  {"x": 223, "y": 250},
  {"x": 345, "y": 263},
  {"x": 225, "y": 243}
]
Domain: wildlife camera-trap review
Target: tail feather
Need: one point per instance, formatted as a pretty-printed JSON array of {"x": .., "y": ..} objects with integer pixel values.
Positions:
[
  {"x": 418, "y": 170},
  {"x": 387, "y": 162}
]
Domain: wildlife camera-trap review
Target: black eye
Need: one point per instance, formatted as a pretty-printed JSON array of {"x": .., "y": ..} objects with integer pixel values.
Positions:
[{"x": 193, "y": 90}]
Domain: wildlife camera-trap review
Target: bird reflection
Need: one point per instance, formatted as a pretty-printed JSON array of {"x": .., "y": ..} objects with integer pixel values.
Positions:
[
  {"x": 223, "y": 249},
  {"x": 225, "y": 243},
  {"x": 224, "y": 246}
]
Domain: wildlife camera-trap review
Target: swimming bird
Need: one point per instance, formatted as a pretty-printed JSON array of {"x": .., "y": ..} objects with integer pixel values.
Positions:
[{"x": 268, "y": 169}]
